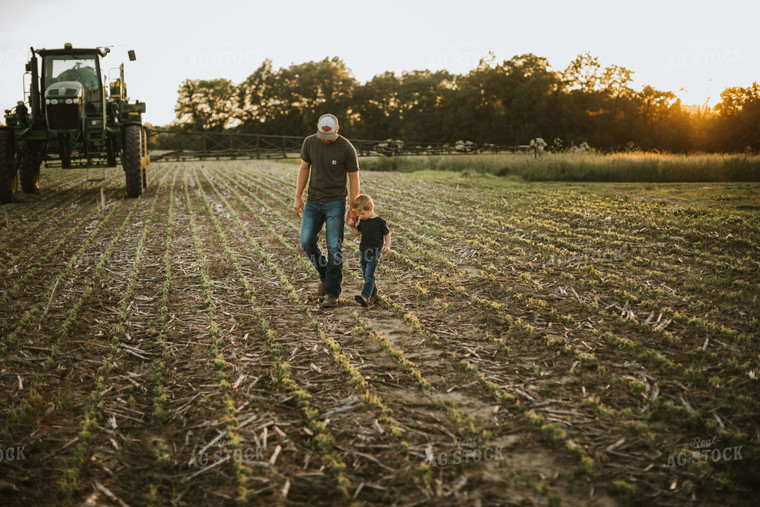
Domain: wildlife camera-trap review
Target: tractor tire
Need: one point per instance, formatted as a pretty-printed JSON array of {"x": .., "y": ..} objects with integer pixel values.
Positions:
[
  {"x": 131, "y": 160},
  {"x": 8, "y": 174},
  {"x": 29, "y": 168}
]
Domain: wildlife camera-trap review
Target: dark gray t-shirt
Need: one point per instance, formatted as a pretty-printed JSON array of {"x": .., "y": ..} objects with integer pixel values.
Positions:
[
  {"x": 373, "y": 234},
  {"x": 329, "y": 165}
]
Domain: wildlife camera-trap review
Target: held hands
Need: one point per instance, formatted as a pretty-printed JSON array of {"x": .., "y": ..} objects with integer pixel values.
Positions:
[
  {"x": 386, "y": 250},
  {"x": 352, "y": 218},
  {"x": 298, "y": 206}
]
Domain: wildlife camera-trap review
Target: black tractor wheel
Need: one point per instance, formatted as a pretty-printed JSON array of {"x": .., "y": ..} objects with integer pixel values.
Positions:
[
  {"x": 8, "y": 175},
  {"x": 29, "y": 168},
  {"x": 131, "y": 160}
]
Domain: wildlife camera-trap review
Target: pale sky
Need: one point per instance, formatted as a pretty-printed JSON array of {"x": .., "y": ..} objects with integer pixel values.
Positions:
[{"x": 694, "y": 48}]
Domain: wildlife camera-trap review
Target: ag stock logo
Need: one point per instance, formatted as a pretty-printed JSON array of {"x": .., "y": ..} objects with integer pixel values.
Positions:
[{"x": 704, "y": 451}]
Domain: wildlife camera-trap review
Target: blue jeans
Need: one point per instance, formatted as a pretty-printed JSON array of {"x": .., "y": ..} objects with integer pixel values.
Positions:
[
  {"x": 368, "y": 261},
  {"x": 332, "y": 215}
]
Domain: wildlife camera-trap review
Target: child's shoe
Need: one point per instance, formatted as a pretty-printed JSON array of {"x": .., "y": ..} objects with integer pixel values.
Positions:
[{"x": 362, "y": 301}]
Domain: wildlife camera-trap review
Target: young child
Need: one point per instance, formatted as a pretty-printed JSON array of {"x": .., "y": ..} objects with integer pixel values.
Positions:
[{"x": 376, "y": 239}]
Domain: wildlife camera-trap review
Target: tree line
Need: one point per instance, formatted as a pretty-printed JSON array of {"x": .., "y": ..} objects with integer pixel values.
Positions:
[{"x": 506, "y": 103}]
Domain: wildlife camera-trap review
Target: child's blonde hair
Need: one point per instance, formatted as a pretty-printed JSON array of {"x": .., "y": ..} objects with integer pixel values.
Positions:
[{"x": 363, "y": 202}]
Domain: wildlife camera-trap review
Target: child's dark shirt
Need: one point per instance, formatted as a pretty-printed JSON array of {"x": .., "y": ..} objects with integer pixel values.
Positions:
[{"x": 373, "y": 231}]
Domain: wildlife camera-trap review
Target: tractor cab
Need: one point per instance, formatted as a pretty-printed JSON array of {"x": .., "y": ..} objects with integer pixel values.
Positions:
[{"x": 73, "y": 96}]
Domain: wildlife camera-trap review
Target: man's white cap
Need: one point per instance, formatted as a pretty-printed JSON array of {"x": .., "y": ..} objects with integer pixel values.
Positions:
[{"x": 327, "y": 127}]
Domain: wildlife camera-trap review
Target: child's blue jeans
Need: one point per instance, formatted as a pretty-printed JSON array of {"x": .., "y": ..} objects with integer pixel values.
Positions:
[{"x": 368, "y": 262}]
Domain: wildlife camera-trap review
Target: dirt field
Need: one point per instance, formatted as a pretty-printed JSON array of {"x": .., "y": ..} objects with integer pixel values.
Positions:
[{"x": 543, "y": 344}]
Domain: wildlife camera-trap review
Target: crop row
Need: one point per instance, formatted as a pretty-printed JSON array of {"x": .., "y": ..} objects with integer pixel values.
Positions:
[
  {"x": 32, "y": 270},
  {"x": 92, "y": 410},
  {"x": 585, "y": 242},
  {"x": 31, "y": 406},
  {"x": 35, "y": 219},
  {"x": 241, "y": 471},
  {"x": 282, "y": 372},
  {"x": 490, "y": 231},
  {"x": 160, "y": 396},
  {"x": 682, "y": 225},
  {"x": 60, "y": 187},
  {"x": 614, "y": 246},
  {"x": 693, "y": 374},
  {"x": 29, "y": 315},
  {"x": 657, "y": 328},
  {"x": 690, "y": 373},
  {"x": 59, "y": 223}
]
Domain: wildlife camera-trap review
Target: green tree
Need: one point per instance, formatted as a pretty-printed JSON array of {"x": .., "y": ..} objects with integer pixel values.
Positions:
[
  {"x": 475, "y": 103},
  {"x": 502, "y": 103},
  {"x": 658, "y": 114},
  {"x": 737, "y": 125},
  {"x": 584, "y": 74},
  {"x": 377, "y": 107},
  {"x": 599, "y": 102},
  {"x": 423, "y": 101},
  {"x": 289, "y": 100},
  {"x": 205, "y": 105},
  {"x": 510, "y": 102},
  {"x": 255, "y": 97},
  {"x": 531, "y": 98}
]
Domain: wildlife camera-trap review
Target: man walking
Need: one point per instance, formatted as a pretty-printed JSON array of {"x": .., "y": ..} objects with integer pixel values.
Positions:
[{"x": 326, "y": 159}]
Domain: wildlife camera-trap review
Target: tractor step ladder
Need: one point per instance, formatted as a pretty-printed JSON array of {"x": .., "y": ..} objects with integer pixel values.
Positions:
[{"x": 96, "y": 173}]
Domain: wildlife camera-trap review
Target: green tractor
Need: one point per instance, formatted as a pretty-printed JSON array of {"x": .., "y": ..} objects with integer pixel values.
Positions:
[{"x": 76, "y": 119}]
